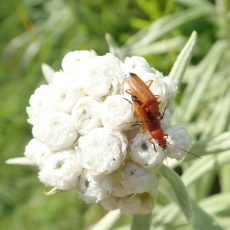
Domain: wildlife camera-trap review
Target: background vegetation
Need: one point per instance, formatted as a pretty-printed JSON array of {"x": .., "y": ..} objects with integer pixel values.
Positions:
[{"x": 38, "y": 31}]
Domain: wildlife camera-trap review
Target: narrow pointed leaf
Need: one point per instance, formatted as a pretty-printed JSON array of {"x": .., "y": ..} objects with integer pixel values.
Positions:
[
  {"x": 204, "y": 165},
  {"x": 183, "y": 59}
]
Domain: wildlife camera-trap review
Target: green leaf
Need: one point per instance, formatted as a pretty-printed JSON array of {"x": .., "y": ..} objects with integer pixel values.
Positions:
[
  {"x": 180, "y": 191},
  {"x": 212, "y": 146},
  {"x": 113, "y": 47},
  {"x": 195, "y": 3},
  {"x": 203, "y": 79},
  {"x": 183, "y": 59},
  {"x": 204, "y": 165},
  {"x": 142, "y": 222},
  {"x": 224, "y": 178},
  {"x": 202, "y": 220},
  {"x": 164, "y": 25}
]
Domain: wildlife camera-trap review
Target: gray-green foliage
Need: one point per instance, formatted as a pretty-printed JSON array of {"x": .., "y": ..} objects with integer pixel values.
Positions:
[{"x": 42, "y": 31}]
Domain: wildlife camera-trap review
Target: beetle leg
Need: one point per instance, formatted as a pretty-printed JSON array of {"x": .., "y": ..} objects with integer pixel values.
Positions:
[
  {"x": 149, "y": 83},
  {"x": 127, "y": 100},
  {"x": 129, "y": 91}
]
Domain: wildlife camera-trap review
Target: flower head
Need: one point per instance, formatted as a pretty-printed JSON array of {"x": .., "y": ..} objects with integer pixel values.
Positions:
[{"x": 92, "y": 134}]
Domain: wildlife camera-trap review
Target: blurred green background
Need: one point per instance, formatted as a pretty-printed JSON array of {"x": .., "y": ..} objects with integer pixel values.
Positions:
[{"x": 39, "y": 31}]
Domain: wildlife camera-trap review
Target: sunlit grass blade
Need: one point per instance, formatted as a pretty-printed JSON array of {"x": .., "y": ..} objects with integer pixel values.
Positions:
[
  {"x": 180, "y": 191},
  {"x": 163, "y": 46},
  {"x": 183, "y": 59},
  {"x": 164, "y": 25},
  {"x": 107, "y": 221},
  {"x": 216, "y": 203}
]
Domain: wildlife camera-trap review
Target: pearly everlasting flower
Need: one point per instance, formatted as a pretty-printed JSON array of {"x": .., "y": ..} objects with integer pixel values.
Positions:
[
  {"x": 61, "y": 170},
  {"x": 137, "y": 179},
  {"x": 87, "y": 135},
  {"x": 56, "y": 130},
  {"x": 117, "y": 113},
  {"x": 102, "y": 76},
  {"x": 179, "y": 141},
  {"x": 86, "y": 115},
  {"x": 146, "y": 153},
  {"x": 103, "y": 150},
  {"x": 94, "y": 188},
  {"x": 37, "y": 152}
]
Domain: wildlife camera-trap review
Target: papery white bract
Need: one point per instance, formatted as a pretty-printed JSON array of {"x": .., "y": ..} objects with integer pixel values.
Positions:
[
  {"x": 37, "y": 152},
  {"x": 56, "y": 130},
  {"x": 103, "y": 150},
  {"x": 61, "y": 170},
  {"x": 94, "y": 188},
  {"x": 137, "y": 179},
  {"x": 113, "y": 115},
  {"x": 179, "y": 142},
  {"x": 86, "y": 115},
  {"x": 146, "y": 153}
]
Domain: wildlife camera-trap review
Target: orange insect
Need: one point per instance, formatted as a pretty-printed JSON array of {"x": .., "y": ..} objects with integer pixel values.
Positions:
[
  {"x": 140, "y": 90},
  {"x": 146, "y": 107}
]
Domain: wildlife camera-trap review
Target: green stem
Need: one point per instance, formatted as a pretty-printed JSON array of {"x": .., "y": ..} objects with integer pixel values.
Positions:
[{"x": 142, "y": 222}]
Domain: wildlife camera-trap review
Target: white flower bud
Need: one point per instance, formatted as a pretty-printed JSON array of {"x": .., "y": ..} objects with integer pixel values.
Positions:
[
  {"x": 129, "y": 205},
  {"x": 65, "y": 95},
  {"x": 61, "y": 170},
  {"x": 103, "y": 150},
  {"x": 178, "y": 142},
  {"x": 39, "y": 103},
  {"x": 36, "y": 152},
  {"x": 56, "y": 130},
  {"x": 137, "y": 179},
  {"x": 73, "y": 61},
  {"x": 86, "y": 115},
  {"x": 135, "y": 64},
  {"x": 94, "y": 188},
  {"x": 102, "y": 76},
  {"x": 117, "y": 113},
  {"x": 146, "y": 153}
]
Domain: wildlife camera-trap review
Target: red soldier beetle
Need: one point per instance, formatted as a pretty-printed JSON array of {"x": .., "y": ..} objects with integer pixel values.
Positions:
[
  {"x": 141, "y": 91},
  {"x": 147, "y": 109}
]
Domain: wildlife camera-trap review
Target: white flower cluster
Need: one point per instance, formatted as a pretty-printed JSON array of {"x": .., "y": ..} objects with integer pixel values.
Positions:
[{"x": 85, "y": 135}]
